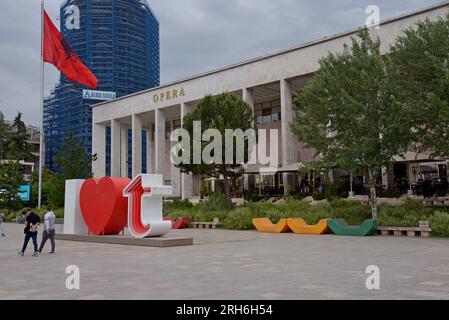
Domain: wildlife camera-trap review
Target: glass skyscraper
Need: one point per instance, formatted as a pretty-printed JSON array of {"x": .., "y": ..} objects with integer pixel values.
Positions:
[{"x": 118, "y": 40}]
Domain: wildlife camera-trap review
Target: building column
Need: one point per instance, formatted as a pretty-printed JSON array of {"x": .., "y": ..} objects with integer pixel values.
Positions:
[
  {"x": 288, "y": 153},
  {"x": 115, "y": 148},
  {"x": 248, "y": 97},
  {"x": 175, "y": 172},
  {"x": 351, "y": 186},
  {"x": 384, "y": 178},
  {"x": 331, "y": 176},
  {"x": 159, "y": 142},
  {"x": 149, "y": 152},
  {"x": 186, "y": 179},
  {"x": 411, "y": 175},
  {"x": 137, "y": 146},
  {"x": 245, "y": 182},
  {"x": 124, "y": 152},
  {"x": 99, "y": 149}
]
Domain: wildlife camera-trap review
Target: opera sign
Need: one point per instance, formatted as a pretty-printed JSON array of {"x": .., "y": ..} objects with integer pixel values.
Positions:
[
  {"x": 108, "y": 205},
  {"x": 168, "y": 95}
]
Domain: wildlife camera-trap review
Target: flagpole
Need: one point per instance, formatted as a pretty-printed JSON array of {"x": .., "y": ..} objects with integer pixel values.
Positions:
[{"x": 41, "y": 147}]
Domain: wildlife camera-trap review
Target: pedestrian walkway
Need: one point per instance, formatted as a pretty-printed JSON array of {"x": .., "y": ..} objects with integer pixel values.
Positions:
[{"x": 231, "y": 265}]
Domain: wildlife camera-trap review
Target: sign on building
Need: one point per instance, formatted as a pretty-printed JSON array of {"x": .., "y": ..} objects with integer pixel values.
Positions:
[{"x": 99, "y": 95}]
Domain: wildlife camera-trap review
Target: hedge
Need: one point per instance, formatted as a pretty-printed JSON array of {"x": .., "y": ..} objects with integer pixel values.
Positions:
[{"x": 406, "y": 215}]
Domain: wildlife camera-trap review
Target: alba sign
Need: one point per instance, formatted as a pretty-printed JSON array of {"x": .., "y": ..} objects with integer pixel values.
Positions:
[
  {"x": 107, "y": 206},
  {"x": 99, "y": 95}
]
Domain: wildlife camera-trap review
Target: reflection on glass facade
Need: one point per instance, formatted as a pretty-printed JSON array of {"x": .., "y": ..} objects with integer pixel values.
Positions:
[
  {"x": 119, "y": 41},
  {"x": 268, "y": 112}
]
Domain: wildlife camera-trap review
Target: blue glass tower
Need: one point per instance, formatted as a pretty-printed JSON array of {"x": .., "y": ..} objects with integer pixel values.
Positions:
[{"x": 118, "y": 40}]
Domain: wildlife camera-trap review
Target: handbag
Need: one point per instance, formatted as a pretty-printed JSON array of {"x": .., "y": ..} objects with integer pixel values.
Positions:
[{"x": 33, "y": 228}]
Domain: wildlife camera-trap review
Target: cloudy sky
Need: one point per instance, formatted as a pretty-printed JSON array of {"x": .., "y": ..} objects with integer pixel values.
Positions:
[{"x": 196, "y": 36}]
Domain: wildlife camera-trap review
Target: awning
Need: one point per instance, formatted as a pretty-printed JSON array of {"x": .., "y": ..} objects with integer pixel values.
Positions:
[
  {"x": 415, "y": 157},
  {"x": 294, "y": 167}
]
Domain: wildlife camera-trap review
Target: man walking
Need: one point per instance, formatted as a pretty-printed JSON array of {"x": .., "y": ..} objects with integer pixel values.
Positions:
[
  {"x": 49, "y": 230},
  {"x": 31, "y": 228}
]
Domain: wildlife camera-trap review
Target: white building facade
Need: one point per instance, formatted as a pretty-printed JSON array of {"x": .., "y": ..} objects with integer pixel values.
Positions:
[{"x": 267, "y": 84}]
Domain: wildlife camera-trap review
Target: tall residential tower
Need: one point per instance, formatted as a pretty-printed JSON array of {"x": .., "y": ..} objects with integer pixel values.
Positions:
[{"x": 118, "y": 40}]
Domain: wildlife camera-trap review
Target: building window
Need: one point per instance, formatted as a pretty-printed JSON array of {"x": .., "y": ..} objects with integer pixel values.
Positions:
[
  {"x": 167, "y": 130},
  {"x": 276, "y": 114},
  {"x": 267, "y": 112},
  {"x": 258, "y": 115},
  {"x": 266, "y": 116},
  {"x": 176, "y": 125}
]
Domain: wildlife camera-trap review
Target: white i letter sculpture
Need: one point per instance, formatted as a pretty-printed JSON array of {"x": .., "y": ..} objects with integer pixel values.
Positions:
[{"x": 145, "y": 200}]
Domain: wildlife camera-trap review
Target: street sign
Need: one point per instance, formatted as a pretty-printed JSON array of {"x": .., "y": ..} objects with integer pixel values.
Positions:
[
  {"x": 99, "y": 95},
  {"x": 25, "y": 193}
]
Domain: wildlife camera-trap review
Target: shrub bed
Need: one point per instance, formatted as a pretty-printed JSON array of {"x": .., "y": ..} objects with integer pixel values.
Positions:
[
  {"x": 40, "y": 212},
  {"x": 439, "y": 223},
  {"x": 406, "y": 215}
]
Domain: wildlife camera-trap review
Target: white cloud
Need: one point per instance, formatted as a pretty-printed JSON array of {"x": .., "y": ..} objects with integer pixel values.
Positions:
[{"x": 196, "y": 36}]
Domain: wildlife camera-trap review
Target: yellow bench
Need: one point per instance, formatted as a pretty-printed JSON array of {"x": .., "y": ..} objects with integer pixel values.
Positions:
[
  {"x": 265, "y": 225},
  {"x": 299, "y": 226}
]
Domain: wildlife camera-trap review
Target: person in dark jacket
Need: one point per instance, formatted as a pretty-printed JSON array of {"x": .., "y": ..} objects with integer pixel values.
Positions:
[{"x": 31, "y": 224}]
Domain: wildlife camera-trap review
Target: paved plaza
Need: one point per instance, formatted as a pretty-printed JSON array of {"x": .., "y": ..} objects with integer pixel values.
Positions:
[{"x": 231, "y": 265}]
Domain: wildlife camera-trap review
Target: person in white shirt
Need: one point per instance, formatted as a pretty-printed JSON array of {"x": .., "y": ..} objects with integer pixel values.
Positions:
[{"x": 49, "y": 230}]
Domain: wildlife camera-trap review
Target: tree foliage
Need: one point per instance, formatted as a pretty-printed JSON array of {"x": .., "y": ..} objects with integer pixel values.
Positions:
[
  {"x": 5, "y": 131},
  {"x": 10, "y": 182},
  {"x": 222, "y": 112},
  {"x": 349, "y": 112},
  {"x": 18, "y": 146},
  {"x": 73, "y": 163},
  {"x": 421, "y": 56}
]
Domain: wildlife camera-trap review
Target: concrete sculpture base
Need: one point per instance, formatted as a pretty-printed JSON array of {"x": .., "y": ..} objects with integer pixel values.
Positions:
[{"x": 167, "y": 241}]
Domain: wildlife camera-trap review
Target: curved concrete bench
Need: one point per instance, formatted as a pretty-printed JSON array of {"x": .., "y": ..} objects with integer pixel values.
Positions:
[
  {"x": 206, "y": 225},
  {"x": 265, "y": 225},
  {"x": 299, "y": 226},
  {"x": 341, "y": 228}
]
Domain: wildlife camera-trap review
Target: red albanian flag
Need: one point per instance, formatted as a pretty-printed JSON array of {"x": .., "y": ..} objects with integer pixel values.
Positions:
[{"x": 58, "y": 52}]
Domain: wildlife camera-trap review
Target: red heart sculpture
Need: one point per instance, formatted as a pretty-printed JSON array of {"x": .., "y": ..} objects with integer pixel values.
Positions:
[{"x": 103, "y": 206}]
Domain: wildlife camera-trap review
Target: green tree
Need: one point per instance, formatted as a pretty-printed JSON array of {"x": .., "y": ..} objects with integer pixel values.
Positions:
[
  {"x": 73, "y": 163},
  {"x": 349, "y": 114},
  {"x": 19, "y": 148},
  {"x": 5, "y": 131},
  {"x": 47, "y": 187},
  {"x": 222, "y": 112},
  {"x": 421, "y": 55},
  {"x": 10, "y": 182}
]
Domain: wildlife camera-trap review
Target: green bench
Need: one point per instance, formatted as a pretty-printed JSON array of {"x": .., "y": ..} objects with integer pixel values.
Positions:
[{"x": 341, "y": 228}]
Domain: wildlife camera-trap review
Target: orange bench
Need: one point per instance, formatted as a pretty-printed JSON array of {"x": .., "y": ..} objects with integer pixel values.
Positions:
[
  {"x": 265, "y": 225},
  {"x": 299, "y": 226}
]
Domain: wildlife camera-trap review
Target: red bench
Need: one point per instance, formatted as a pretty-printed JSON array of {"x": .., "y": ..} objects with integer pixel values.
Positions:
[{"x": 181, "y": 223}]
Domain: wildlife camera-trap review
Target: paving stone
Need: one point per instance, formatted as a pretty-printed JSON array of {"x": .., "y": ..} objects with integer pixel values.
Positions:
[{"x": 231, "y": 265}]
